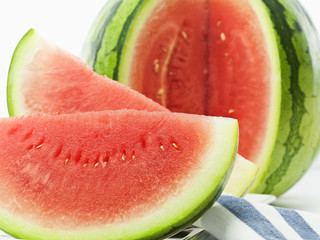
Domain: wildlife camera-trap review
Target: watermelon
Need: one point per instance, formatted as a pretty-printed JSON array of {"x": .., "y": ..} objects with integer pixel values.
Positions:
[
  {"x": 121, "y": 174},
  {"x": 45, "y": 78},
  {"x": 242, "y": 177},
  {"x": 253, "y": 60}
]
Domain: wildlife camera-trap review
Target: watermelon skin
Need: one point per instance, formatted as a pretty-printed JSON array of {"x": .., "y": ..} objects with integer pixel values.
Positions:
[
  {"x": 297, "y": 141},
  {"x": 294, "y": 141},
  {"x": 114, "y": 19},
  {"x": 53, "y": 172}
]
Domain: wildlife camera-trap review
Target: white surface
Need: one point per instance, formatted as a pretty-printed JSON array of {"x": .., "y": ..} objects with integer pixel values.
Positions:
[{"x": 66, "y": 22}]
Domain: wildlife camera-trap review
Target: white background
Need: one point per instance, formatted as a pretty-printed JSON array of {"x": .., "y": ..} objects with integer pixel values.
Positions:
[{"x": 66, "y": 23}]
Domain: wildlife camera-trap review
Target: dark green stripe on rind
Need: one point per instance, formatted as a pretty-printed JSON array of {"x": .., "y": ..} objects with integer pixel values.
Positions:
[
  {"x": 294, "y": 148},
  {"x": 122, "y": 38},
  {"x": 95, "y": 40},
  {"x": 109, "y": 52}
]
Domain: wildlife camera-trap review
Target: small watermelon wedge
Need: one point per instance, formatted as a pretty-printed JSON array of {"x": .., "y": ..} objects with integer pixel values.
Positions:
[
  {"x": 121, "y": 174},
  {"x": 253, "y": 60},
  {"x": 45, "y": 78}
]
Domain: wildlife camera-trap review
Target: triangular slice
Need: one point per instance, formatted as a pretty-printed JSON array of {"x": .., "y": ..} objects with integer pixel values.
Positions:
[
  {"x": 122, "y": 174},
  {"x": 44, "y": 78}
]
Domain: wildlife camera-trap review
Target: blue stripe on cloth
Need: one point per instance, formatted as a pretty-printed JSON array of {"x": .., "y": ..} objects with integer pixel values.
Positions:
[
  {"x": 248, "y": 214},
  {"x": 298, "y": 224}
]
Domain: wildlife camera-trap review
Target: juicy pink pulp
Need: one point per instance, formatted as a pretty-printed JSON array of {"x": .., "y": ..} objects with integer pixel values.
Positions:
[
  {"x": 131, "y": 162},
  {"x": 55, "y": 81}
]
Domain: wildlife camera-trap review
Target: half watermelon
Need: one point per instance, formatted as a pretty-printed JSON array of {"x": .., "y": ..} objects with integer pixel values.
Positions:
[
  {"x": 122, "y": 174},
  {"x": 256, "y": 61}
]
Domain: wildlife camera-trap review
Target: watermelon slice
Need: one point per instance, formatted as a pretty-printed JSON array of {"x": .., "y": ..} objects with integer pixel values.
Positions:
[
  {"x": 256, "y": 61},
  {"x": 122, "y": 174},
  {"x": 45, "y": 78},
  {"x": 242, "y": 177}
]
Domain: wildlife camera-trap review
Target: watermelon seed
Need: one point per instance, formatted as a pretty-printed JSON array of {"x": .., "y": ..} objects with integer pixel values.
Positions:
[
  {"x": 85, "y": 165},
  {"x": 184, "y": 34},
  {"x": 124, "y": 153},
  {"x": 40, "y": 143},
  {"x": 162, "y": 147},
  {"x": 223, "y": 36},
  {"x": 97, "y": 158},
  {"x": 66, "y": 161},
  {"x": 156, "y": 65},
  {"x": 175, "y": 145},
  {"x": 96, "y": 165},
  {"x": 231, "y": 111},
  {"x": 218, "y": 23},
  {"x": 39, "y": 146},
  {"x": 164, "y": 49},
  {"x": 105, "y": 160},
  {"x": 160, "y": 93}
]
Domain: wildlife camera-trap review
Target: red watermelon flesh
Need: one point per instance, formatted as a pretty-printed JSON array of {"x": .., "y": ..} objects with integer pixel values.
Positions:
[
  {"x": 237, "y": 88},
  {"x": 195, "y": 64},
  {"x": 79, "y": 172}
]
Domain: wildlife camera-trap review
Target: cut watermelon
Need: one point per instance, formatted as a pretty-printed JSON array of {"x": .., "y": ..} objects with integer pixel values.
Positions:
[
  {"x": 256, "y": 61},
  {"x": 45, "y": 78},
  {"x": 243, "y": 175},
  {"x": 121, "y": 174},
  {"x": 40, "y": 81}
]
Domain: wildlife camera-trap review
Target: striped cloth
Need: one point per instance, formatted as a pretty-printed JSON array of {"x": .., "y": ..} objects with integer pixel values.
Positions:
[{"x": 234, "y": 218}]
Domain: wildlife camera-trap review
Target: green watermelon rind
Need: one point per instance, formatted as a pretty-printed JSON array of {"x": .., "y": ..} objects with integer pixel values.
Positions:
[
  {"x": 117, "y": 26},
  {"x": 105, "y": 18},
  {"x": 242, "y": 177},
  {"x": 26, "y": 47},
  {"x": 297, "y": 140},
  {"x": 178, "y": 212},
  {"x": 293, "y": 134}
]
